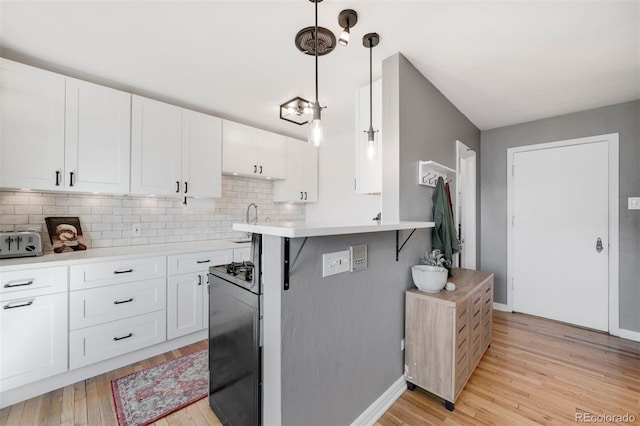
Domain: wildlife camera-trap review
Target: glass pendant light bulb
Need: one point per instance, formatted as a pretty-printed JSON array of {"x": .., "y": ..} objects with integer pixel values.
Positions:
[
  {"x": 372, "y": 145},
  {"x": 344, "y": 37},
  {"x": 316, "y": 128}
]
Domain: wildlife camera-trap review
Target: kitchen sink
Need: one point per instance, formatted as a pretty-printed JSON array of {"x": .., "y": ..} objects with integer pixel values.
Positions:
[{"x": 240, "y": 241}]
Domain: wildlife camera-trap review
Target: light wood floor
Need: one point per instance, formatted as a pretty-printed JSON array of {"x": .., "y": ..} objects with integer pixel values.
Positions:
[{"x": 535, "y": 372}]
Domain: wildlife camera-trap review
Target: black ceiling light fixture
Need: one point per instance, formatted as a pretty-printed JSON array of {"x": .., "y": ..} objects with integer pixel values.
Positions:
[
  {"x": 316, "y": 41},
  {"x": 347, "y": 19},
  {"x": 370, "y": 41},
  {"x": 296, "y": 110}
]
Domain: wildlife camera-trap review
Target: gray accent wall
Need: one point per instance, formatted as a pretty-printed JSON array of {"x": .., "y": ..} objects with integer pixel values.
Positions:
[
  {"x": 424, "y": 127},
  {"x": 623, "y": 119},
  {"x": 341, "y": 334}
]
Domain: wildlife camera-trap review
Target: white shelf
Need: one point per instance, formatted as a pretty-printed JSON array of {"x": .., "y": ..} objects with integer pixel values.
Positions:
[{"x": 430, "y": 171}]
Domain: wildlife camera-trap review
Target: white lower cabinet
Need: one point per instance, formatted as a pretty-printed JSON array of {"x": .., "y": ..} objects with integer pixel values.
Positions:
[
  {"x": 28, "y": 311},
  {"x": 93, "y": 344},
  {"x": 187, "y": 296}
]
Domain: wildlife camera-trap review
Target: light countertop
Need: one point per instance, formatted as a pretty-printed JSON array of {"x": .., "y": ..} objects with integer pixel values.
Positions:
[
  {"x": 301, "y": 230},
  {"x": 117, "y": 253}
]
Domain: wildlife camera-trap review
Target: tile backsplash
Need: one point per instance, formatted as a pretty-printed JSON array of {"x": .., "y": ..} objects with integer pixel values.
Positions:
[{"x": 107, "y": 220}]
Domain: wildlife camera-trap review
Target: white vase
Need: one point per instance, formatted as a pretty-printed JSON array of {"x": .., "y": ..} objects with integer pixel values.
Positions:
[{"x": 430, "y": 279}]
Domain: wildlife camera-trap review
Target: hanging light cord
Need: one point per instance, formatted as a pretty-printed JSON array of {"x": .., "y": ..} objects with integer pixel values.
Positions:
[
  {"x": 370, "y": 83},
  {"x": 316, "y": 49}
]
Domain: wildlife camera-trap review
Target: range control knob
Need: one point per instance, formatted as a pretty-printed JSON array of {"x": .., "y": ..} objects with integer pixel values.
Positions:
[{"x": 30, "y": 248}]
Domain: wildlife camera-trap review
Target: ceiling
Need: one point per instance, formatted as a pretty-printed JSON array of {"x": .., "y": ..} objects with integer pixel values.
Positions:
[{"x": 500, "y": 63}]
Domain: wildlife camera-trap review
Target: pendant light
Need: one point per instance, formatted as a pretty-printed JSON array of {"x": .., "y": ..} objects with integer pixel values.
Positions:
[
  {"x": 370, "y": 41},
  {"x": 316, "y": 128},
  {"x": 347, "y": 19}
]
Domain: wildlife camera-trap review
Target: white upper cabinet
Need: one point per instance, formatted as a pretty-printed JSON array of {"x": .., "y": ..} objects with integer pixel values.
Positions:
[
  {"x": 31, "y": 127},
  {"x": 368, "y": 166},
  {"x": 48, "y": 143},
  {"x": 301, "y": 184},
  {"x": 201, "y": 155},
  {"x": 174, "y": 151},
  {"x": 97, "y": 138},
  {"x": 252, "y": 152},
  {"x": 156, "y": 136}
]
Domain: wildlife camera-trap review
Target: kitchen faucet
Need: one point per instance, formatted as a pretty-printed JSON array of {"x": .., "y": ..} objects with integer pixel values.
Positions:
[{"x": 255, "y": 219}]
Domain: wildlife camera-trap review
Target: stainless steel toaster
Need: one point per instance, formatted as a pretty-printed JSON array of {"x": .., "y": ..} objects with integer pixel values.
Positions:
[{"x": 20, "y": 244}]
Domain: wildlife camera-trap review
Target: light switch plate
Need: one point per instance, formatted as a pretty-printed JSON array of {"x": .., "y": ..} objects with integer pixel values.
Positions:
[
  {"x": 358, "y": 256},
  {"x": 634, "y": 203},
  {"x": 335, "y": 263}
]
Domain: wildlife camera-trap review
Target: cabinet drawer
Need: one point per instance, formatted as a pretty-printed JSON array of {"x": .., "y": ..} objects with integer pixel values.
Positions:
[
  {"x": 32, "y": 282},
  {"x": 99, "y": 305},
  {"x": 116, "y": 272},
  {"x": 196, "y": 262},
  {"x": 93, "y": 344},
  {"x": 33, "y": 340}
]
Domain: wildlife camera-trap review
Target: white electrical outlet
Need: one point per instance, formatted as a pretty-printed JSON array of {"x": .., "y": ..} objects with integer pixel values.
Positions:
[
  {"x": 136, "y": 230},
  {"x": 335, "y": 263},
  {"x": 634, "y": 203}
]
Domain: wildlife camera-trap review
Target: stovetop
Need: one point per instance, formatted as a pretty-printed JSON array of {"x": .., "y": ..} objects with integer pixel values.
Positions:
[
  {"x": 239, "y": 273},
  {"x": 243, "y": 270}
]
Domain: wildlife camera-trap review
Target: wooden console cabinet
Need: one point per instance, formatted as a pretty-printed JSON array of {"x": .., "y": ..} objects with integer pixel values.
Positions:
[{"x": 447, "y": 333}]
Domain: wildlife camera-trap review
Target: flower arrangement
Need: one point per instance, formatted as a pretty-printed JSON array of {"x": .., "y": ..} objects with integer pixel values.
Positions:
[{"x": 435, "y": 258}]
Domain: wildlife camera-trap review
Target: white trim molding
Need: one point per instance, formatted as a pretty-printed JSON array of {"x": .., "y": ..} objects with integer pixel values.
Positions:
[
  {"x": 501, "y": 307},
  {"x": 629, "y": 334},
  {"x": 614, "y": 195},
  {"x": 370, "y": 416}
]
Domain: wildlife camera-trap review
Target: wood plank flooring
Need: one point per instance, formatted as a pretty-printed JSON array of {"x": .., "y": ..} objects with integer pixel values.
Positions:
[{"x": 535, "y": 372}]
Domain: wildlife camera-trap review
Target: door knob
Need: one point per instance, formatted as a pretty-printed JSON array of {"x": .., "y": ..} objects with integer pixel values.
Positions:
[{"x": 599, "y": 245}]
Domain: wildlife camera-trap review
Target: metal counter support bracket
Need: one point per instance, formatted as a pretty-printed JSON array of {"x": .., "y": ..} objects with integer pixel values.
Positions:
[
  {"x": 285, "y": 268},
  {"x": 287, "y": 265},
  {"x": 398, "y": 248}
]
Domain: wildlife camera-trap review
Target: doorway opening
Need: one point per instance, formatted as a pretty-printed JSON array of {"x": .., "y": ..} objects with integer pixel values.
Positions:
[{"x": 466, "y": 204}]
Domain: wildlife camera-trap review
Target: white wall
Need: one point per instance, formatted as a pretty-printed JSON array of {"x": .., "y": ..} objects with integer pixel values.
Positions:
[{"x": 337, "y": 200}]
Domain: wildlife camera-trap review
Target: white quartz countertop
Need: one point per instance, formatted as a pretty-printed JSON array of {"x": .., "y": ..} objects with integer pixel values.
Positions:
[
  {"x": 301, "y": 230},
  {"x": 118, "y": 253}
]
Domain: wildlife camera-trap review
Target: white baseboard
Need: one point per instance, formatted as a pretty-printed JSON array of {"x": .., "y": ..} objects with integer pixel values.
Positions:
[
  {"x": 629, "y": 334},
  {"x": 501, "y": 307},
  {"x": 371, "y": 415},
  {"x": 31, "y": 390}
]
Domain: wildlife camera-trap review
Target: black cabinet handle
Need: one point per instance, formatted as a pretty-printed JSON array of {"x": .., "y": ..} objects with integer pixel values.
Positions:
[
  {"x": 255, "y": 168},
  {"x": 177, "y": 187},
  {"x": 126, "y": 271},
  {"x": 70, "y": 179},
  {"x": 18, "y": 284},
  {"x": 260, "y": 169},
  {"x": 203, "y": 261},
  {"x": 120, "y": 302},
  {"x": 20, "y": 305},
  {"x": 57, "y": 177},
  {"x": 185, "y": 187},
  {"x": 123, "y": 337},
  {"x": 301, "y": 195},
  {"x": 199, "y": 279},
  {"x": 305, "y": 195}
]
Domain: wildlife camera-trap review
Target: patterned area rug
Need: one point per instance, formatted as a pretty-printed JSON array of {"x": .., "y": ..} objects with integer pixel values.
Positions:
[{"x": 148, "y": 395}]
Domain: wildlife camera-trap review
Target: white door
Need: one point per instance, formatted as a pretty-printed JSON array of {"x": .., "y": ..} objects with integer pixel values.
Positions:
[
  {"x": 309, "y": 163},
  {"x": 465, "y": 184},
  {"x": 97, "y": 138},
  {"x": 156, "y": 132},
  {"x": 239, "y": 148},
  {"x": 201, "y": 154},
  {"x": 560, "y": 220},
  {"x": 31, "y": 127},
  {"x": 271, "y": 155},
  {"x": 184, "y": 304}
]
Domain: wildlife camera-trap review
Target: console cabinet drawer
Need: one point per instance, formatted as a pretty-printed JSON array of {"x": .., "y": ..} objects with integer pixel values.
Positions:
[
  {"x": 93, "y": 344},
  {"x": 116, "y": 272},
  {"x": 33, "y": 282},
  {"x": 98, "y": 305}
]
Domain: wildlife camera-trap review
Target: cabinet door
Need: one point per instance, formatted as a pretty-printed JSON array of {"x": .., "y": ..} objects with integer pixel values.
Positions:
[
  {"x": 368, "y": 168},
  {"x": 184, "y": 304},
  {"x": 271, "y": 155},
  {"x": 44, "y": 353},
  {"x": 155, "y": 147},
  {"x": 301, "y": 184},
  {"x": 309, "y": 171},
  {"x": 239, "y": 149},
  {"x": 97, "y": 138},
  {"x": 31, "y": 127},
  {"x": 201, "y": 155}
]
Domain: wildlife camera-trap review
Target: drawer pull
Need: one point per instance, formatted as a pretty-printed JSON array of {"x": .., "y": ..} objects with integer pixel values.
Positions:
[
  {"x": 123, "y": 337},
  {"x": 199, "y": 279},
  {"x": 119, "y": 302},
  {"x": 18, "y": 283},
  {"x": 19, "y": 305},
  {"x": 203, "y": 261},
  {"x": 126, "y": 271}
]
